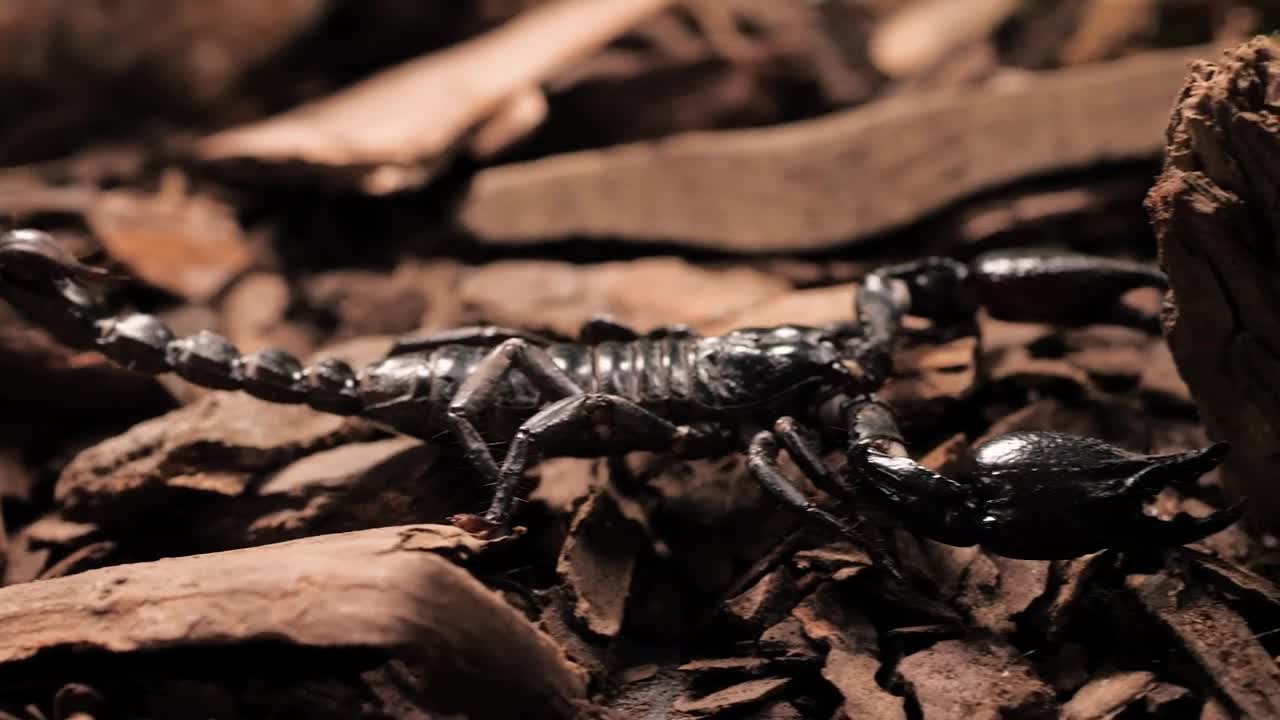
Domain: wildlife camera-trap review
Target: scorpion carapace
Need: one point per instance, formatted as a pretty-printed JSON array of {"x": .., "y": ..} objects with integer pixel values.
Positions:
[{"x": 1030, "y": 494}]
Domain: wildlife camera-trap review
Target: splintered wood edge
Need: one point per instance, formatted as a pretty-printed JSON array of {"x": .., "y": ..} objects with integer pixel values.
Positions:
[
  {"x": 821, "y": 182},
  {"x": 386, "y": 588},
  {"x": 396, "y": 127}
]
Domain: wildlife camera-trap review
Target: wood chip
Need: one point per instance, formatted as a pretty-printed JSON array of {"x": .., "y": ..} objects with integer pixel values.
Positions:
[
  {"x": 599, "y": 556},
  {"x": 395, "y": 130},
  {"x": 820, "y": 183},
  {"x": 1216, "y": 638},
  {"x": 213, "y": 446},
  {"x": 1107, "y": 696},
  {"x": 923, "y": 32},
  {"x": 1213, "y": 209},
  {"x": 190, "y": 245},
  {"x": 735, "y": 697},
  {"x": 389, "y": 588},
  {"x": 975, "y": 678},
  {"x": 561, "y": 296},
  {"x": 852, "y": 661}
]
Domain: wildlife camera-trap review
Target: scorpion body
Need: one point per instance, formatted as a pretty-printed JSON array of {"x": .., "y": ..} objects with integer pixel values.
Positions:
[{"x": 1041, "y": 495}]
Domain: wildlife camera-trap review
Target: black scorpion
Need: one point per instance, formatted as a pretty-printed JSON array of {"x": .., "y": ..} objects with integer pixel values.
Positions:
[{"x": 1039, "y": 495}]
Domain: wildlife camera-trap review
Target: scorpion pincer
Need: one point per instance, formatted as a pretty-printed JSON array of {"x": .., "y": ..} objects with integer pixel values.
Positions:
[{"x": 1036, "y": 495}]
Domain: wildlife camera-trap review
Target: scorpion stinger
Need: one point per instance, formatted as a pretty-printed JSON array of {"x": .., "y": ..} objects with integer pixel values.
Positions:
[{"x": 787, "y": 387}]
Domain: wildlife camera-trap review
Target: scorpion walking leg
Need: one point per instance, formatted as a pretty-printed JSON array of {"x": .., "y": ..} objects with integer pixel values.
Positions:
[
  {"x": 762, "y": 461},
  {"x": 479, "y": 390},
  {"x": 567, "y": 420},
  {"x": 801, "y": 447}
]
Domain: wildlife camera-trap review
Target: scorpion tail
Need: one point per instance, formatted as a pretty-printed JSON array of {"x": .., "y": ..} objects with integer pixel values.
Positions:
[
  {"x": 53, "y": 289},
  {"x": 49, "y": 285}
]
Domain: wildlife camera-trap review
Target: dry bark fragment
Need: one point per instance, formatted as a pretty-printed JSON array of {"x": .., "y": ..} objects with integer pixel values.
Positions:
[
  {"x": 391, "y": 588},
  {"x": 975, "y": 678},
  {"x": 365, "y": 131},
  {"x": 1107, "y": 696},
  {"x": 599, "y": 556},
  {"x": 1069, "y": 585},
  {"x": 922, "y": 33},
  {"x": 734, "y": 697},
  {"x": 764, "y": 601},
  {"x": 1216, "y": 211},
  {"x": 998, "y": 589},
  {"x": 351, "y": 487},
  {"x": 213, "y": 445},
  {"x": 852, "y": 654},
  {"x": 1216, "y": 638},
  {"x": 561, "y": 296},
  {"x": 28, "y": 553},
  {"x": 190, "y": 245},
  {"x": 818, "y": 183}
]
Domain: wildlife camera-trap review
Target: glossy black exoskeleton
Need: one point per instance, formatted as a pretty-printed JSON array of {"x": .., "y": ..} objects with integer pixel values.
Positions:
[{"x": 1031, "y": 495}]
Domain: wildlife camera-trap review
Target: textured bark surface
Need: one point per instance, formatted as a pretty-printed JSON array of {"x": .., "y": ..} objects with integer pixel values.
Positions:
[
  {"x": 1216, "y": 212},
  {"x": 820, "y": 183},
  {"x": 391, "y": 588}
]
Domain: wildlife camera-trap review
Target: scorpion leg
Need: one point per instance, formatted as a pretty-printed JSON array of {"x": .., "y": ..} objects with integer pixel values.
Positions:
[
  {"x": 476, "y": 335},
  {"x": 762, "y": 461},
  {"x": 566, "y": 421},
  {"x": 479, "y": 390}
]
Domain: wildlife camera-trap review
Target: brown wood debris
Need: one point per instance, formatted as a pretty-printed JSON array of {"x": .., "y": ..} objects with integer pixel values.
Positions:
[
  {"x": 1214, "y": 214},
  {"x": 815, "y": 183},
  {"x": 1215, "y": 638},
  {"x": 473, "y": 93},
  {"x": 391, "y": 588}
]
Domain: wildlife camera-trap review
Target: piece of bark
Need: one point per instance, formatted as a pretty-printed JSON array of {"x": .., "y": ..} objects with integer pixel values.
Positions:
[
  {"x": 818, "y": 183},
  {"x": 852, "y": 660},
  {"x": 649, "y": 699},
  {"x": 190, "y": 245},
  {"x": 195, "y": 50},
  {"x": 254, "y": 311},
  {"x": 997, "y": 590},
  {"x": 351, "y": 487},
  {"x": 392, "y": 588},
  {"x": 465, "y": 91},
  {"x": 1108, "y": 28},
  {"x": 85, "y": 558},
  {"x": 212, "y": 446},
  {"x": 1083, "y": 214},
  {"x": 1070, "y": 581},
  {"x": 840, "y": 561},
  {"x": 1252, "y": 586},
  {"x": 561, "y": 296},
  {"x": 1107, "y": 696},
  {"x": 28, "y": 552},
  {"x": 1215, "y": 213},
  {"x": 1215, "y": 638},
  {"x": 923, "y": 32},
  {"x": 975, "y": 678},
  {"x": 731, "y": 698},
  {"x": 787, "y": 639},
  {"x": 928, "y": 379},
  {"x": 43, "y": 377},
  {"x": 599, "y": 557},
  {"x": 765, "y": 601},
  {"x": 737, "y": 667}
]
